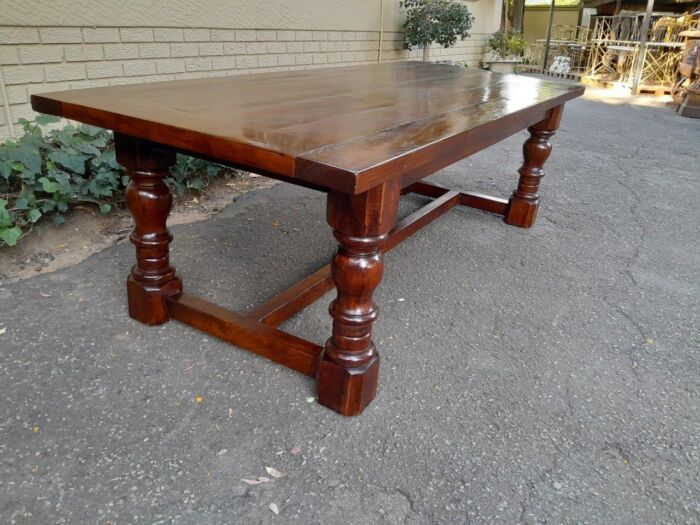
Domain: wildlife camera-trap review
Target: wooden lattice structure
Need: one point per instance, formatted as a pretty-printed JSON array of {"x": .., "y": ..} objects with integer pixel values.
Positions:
[
  {"x": 614, "y": 50},
  {"x": 567, "y": 41}
]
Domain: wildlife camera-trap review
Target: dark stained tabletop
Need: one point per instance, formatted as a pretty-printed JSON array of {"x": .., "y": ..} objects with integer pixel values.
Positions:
[{"x": 342, "y": 128}]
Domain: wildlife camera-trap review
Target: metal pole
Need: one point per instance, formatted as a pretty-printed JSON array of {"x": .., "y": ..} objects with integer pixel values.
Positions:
[
  {"x": 549, "y": 36},
  {"x": 641, "y": 53}
]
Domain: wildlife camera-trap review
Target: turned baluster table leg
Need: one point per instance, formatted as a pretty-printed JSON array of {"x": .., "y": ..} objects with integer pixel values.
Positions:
[
  {"x": 523, "y": 204},
  {"x": 152, "y": 278},
  {"x": 349, "y": 367}
]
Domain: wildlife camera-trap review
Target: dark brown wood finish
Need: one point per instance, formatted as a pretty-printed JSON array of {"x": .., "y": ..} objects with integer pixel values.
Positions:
[
  {"x": 149, "y": 200},
  {"x": 365, "y": 135},
  {"x": 467, "y": 198},
  {"x": 346, "y": 129},
  {"x": 281, "y": 347},
  {"x": 349, "y": 368},
  {"x": 523, "y": 204},
  {"x": 283, "y": 306}
]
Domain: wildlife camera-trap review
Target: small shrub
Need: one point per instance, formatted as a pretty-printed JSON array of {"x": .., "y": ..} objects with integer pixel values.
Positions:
[
  {"x": 508, "y": 44},
  {"x": 44, "y": 173},
  {"x": 441, "y": 21}
]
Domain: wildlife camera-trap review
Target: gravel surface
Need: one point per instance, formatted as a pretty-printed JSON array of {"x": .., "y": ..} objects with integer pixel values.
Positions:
[{"x": 528, "y": 376}]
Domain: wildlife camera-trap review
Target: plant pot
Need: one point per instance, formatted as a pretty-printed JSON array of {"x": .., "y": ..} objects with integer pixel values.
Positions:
[{"x": 503, "y": 65}]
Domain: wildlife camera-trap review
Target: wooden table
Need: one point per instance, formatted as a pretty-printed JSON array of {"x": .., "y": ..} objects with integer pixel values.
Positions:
[{"x": 365, "y": 135}]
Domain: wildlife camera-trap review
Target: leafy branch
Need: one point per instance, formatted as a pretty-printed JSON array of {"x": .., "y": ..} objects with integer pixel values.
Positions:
[
  {"x": 441, "y": 21},
  {"x": 44, "y": 173}
]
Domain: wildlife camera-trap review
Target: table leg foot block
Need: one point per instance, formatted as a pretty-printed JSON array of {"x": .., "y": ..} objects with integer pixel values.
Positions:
[
  {"x": 147, "y": 304},
  {"x": 347, "y": 390},
  {"x": 521, "y": 213}
]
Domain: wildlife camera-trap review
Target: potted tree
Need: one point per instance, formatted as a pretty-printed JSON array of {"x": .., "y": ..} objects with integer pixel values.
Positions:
[
  {"x": 506, "y": 51},
  {"x": 440, "y": 21}
]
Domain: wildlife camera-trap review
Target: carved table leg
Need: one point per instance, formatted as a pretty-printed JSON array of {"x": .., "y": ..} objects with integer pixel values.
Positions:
[
  {"x": 152, "y": 279},
  {"x": 349, "y": 367},
  {"x": 523, "y": 204}
]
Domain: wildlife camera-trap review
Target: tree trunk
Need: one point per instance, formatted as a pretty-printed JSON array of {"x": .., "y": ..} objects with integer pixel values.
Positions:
[
  {"x": 426, "y": 53},
  {"x": 504, "y": 16}
]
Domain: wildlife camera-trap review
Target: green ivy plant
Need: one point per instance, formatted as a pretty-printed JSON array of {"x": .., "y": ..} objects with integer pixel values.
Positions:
[
  {"x": 440, "y": 21},
  {"x": 44, "y": 173}
]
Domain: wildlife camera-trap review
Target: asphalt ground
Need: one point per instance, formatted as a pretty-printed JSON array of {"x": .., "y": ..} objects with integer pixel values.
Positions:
[{"x": 547, "y": 375}]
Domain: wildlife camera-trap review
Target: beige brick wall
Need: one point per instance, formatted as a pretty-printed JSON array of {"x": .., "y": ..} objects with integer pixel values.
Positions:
[{"x": 40, "y": 59}]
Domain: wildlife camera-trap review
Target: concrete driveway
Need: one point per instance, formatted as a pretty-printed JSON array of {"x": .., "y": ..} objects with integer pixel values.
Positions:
[{"x": 544, "y": 375}]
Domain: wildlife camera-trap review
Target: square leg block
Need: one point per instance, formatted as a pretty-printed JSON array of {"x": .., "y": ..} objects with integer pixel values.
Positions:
[
  {"x": 148, "y": 304},
  {"x": 347, "y": 390},
  {"x": 521, "y": 213}
]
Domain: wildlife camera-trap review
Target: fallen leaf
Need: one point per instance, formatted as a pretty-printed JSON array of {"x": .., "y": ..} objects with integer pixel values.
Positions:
[
  {"x": 251, "y": 481},
  {"x": 2, "y": 331},
  {"x": 254, "y": 481},
  {"x": 45, "y": 294},
  {"x": 274, "y": 472},
  {"x": 401, "y": 299},
  {"x": 310, "y": 399},
  {"x": 274, "y": 508},
  {"x": 650, "y": 341},
  {"x": 263, "y": 479},
  {"x": 36, "y": 429},
  {"x": 253, "y": 175},
  {"x": 198, "y": 399}
]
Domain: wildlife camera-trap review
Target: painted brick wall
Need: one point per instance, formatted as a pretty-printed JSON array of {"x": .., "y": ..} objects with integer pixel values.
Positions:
[{"x": 39, "y": 59}]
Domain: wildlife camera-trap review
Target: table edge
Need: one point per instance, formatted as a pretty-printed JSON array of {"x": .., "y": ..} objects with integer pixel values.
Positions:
[
  {"x": 311, "y": 170},
  {"x": 286, "y": 167},
  {"x": 199, "y": 144}
]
